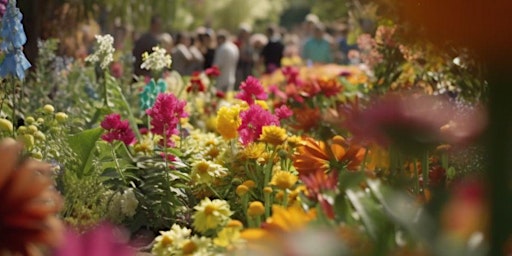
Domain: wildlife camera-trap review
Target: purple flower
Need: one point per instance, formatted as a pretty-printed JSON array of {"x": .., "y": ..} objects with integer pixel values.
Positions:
[{"x": 117, "y": 129}]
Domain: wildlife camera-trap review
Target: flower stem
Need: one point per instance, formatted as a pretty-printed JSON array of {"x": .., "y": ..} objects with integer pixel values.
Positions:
[
  {"x": 118, "y": 168},
  {"x": 14, "y": 121},
  {"x": 425, "y": 170},
  {"x": 416, "y": 178}
]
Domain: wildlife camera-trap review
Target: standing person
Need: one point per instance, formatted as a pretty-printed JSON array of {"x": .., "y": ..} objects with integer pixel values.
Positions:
[
  {"x": 226, "y": 58},
  {"x": 272, "y": 53},
  {"x": 317, "y": 49},
  {"x": 197, "y": 61},
  {"x": 246, "y": 61},
  {"x": 181, "y": 56},
  {"x": 145, "y": 44},
  {"x": 208, "y": 47}
]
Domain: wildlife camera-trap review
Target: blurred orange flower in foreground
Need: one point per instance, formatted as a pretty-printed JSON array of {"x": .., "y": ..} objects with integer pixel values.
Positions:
[{"x": 29, "y": 204}]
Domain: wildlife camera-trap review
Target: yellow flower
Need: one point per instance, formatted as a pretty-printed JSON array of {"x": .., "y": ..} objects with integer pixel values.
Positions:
[
  {"x": 194, "y": 246},
  {"x": 204, "y": 171},
  {"x": 229, "y": 235},
  {"x": 256, "y": 209},
  {"x": 262, "y": 104},
  {"x": 274, "y": 135},
  {"x": 228, "y": 120},
  {"x": 241, "y": 190},
  {"x": 295, "y": 141},
  {"x": 253, "y": 150},
  {"x": 249, "y": 183},
  {"x": 211, "y": 214},
  {"x": 168, "y": 241},
  {"x": 145, "y": 146},
  {"x": 6, "y": 125},
  {"x": 283, "y": 179}
]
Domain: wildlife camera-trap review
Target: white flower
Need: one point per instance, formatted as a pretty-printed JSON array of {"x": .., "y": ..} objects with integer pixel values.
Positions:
[
  {"x": 129, "y": 203},
  {"x": 169, "y": 242},
  {"x": 157, "y": 60},
  {"x": 104, "y": 51}
]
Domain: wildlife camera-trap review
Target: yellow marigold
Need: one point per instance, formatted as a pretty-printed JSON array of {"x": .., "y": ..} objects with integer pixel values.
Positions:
[
  {"x": 211, "y": 214},
  {"x": 228, "y": 120},
  {"x": 256, "y": 209},
  {"x": 144, "y": 146},
  {"x": 274, "y": 135},
  {"x": 284, "y": 180},
  {"x": 253, "y": 150}
]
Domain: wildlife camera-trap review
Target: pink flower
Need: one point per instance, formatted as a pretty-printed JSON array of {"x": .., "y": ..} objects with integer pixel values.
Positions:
[
  {"x": 273, "y": 89},
  {"x": 251, "y": 89},
  {"x": 165, "y": 116},
  {"x": 253, "y": 120},
  {"x": 283, "y": 112},
  {"x": 100, "y": 241},
  {"x": 117, "y": 130},
  {"x": 292, "y": 75}
]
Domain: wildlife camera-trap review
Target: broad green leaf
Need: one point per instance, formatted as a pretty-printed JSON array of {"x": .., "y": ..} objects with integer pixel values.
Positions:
[{"x": 84, "y": 145}]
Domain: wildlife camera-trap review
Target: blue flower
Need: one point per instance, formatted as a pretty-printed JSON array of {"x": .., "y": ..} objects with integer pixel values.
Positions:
[
  {"x": 13, "y": 38},
  {"x": 148, "y": 96}
]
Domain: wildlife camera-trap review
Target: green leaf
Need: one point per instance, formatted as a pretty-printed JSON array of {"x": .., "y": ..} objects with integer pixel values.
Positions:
[{"x": 84, "y": 145}]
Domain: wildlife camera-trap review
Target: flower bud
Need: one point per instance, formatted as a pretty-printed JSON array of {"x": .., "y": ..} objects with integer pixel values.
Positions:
[
  {"x": 37, "y": 155},
  {"x": 6, "y": 125},
  {"x": 267, "y": 190},
  {"x": 29, "y": 120},
  {"x": 241, "y": 190},
  {"x": 249, "y": 183},
  {"x": 39, "y": 136},
  {"x": 61, "y": 117},
  {"x": 48, "y": 109},
  {"x": 32, "y": 129},
  {"x": 256, "y": 209},
  {"x": 40, "y": 120},
  {"x": 22, "y": 130},
  {"x": 27, "y": 139}
]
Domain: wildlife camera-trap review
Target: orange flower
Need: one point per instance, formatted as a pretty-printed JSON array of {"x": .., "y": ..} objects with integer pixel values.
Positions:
[
  {"x": 315, "y": 155},
  {"x": 29, "y": 205},
  {"x": 329, "y": 86},
  {"x": 306, "y": 118}
]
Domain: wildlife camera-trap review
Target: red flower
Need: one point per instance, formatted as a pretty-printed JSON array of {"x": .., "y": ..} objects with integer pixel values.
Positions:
[
  {"x": 196, "y": 83},
  {"x": 319, "y": 182},
  {"x": 212, "y": 72},
  {"x": 220, "y": 94},
  {"x": 292, "y": 75},
  {"x": 117, "y": 130},
  {"x": 329, "y": 87}
]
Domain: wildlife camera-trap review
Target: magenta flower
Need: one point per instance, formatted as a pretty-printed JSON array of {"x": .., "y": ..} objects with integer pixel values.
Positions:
[
  {"x": 100, "y": 241},
  {"x": 292, "y": 75},
  {"x": 165, "y": 116},
  {"x": 117, "y": 129},
  {"x": 251, "y": 89},
  {"x": 253, "y": 120},
  {"x": 283, "y": 112}
]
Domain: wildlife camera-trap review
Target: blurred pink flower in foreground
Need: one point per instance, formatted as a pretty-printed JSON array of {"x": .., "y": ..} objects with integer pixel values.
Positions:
[
  {"x": 102, "y": 241},
  {"x": 415, "y": 122}
]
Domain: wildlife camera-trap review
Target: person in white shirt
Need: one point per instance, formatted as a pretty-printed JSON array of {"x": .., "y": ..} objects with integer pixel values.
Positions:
[{"x": 226, "y": 59}]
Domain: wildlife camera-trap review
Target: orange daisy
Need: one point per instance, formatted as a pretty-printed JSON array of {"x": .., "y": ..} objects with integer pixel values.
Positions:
[{"x": 316, "y": 155}]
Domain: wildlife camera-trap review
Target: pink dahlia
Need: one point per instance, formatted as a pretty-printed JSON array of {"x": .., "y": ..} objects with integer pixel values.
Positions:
[
  {"x": 165, "y": 116},
  {"x": 117, "y": 129},
  {"x": 250, "y": 90},
  {"x": 283, "y": 112},
  {"x": 253, "y": 120}
]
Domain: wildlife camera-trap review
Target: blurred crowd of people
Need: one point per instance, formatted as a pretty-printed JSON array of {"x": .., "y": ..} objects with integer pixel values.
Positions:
[{"x": 247, "y": 53}]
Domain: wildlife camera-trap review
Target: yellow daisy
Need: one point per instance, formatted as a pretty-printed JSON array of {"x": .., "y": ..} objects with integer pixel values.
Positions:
[
  {"x": 274, "y": 135},
  {"x": 283, "y": 180},
  {"x": 228, "y": 121},
  {"x": 211, "y": 214}
]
